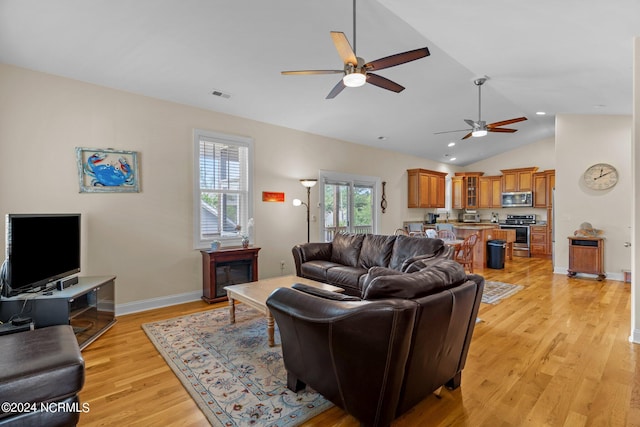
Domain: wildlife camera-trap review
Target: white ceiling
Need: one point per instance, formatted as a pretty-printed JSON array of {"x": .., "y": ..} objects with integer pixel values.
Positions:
[{"x": 564, "y": 56}]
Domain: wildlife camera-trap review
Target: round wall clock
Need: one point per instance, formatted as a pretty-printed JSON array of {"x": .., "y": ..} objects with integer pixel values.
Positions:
[{"x": 600, "y": 176}]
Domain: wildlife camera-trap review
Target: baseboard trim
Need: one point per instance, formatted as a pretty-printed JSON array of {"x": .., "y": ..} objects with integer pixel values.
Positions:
[
  {"x": 610, "y": 276},
  {"x": 635, "y": 336},
  {"x": 150, "y": 304}
]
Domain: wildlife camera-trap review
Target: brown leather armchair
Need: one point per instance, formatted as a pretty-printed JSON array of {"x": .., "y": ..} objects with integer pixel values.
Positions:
[{"x": 379, "y": 356}]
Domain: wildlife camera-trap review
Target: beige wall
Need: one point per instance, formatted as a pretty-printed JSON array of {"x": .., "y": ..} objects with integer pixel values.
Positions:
[
  {"x": 145, "y": 238},
  {"x": 582, "y": 141}
]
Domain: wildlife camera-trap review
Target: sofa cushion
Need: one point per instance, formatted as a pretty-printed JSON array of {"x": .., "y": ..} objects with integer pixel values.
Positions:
[
  {"x": 376, "y": 250},
  {"x": 406, "y": 247},
  {"x": 416, "y": 263},
  {"x": 347, "y": 278},
  {"x": 345, "y": 248},
  {"x": 376, "y": 272},
  {"x": 440, "y": 274},
  {"x": 317, "y": 269},
  {"x": 319, "y": 292}
]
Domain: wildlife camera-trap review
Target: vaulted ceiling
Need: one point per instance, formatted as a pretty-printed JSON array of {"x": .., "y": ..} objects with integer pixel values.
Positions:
[{"x": 555, "y": 56}]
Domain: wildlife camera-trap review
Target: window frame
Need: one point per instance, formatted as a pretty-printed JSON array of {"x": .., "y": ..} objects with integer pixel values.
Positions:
[
  {"x": 227, "y": 139},
  {"x": 351, "y": 180}
]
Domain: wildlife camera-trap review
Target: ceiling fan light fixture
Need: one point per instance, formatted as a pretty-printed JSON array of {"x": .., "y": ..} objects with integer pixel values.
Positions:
[
  {"x": 355, "y": 79},
  {"x": 478, "y": 133}
]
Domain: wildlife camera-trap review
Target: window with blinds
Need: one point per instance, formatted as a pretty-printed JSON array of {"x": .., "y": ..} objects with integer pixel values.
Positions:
[{"x": 223, "y": 188}]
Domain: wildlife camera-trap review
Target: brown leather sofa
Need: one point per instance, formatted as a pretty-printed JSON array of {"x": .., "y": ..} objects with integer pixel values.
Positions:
[
  {"x": 41, "y": 368},
  {"x": 378, "y": 356},
  {"x": 346, "y": 261}
]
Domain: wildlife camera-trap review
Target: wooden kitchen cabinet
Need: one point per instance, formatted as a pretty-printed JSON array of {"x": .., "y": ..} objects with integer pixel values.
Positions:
[
  {"x": 586, "y": 255},
  {"x": 426, "y": 188},
  {"x": 520, "y": 179},
  {"x": 457, "y": 192},
  {"x": 538, "y": 240},
  {"x": 490, "y": 192},
  {"x": 543, "y": 184},
  {"x": 465, "y": 190}
]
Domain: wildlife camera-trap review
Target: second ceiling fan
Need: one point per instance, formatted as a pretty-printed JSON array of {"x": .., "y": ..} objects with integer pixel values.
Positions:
[
  {"x": 481, "y": 128},
  {"x": 356, "y": 71}
]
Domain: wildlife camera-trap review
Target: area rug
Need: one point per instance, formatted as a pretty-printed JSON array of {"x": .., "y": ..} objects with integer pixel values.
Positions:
[
  {"x": 494, "y": 292},
  {"x": 230, "y": 371}
]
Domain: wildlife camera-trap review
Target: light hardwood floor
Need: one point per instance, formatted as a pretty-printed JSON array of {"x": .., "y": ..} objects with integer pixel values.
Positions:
[{"x": 554, "y": 354}]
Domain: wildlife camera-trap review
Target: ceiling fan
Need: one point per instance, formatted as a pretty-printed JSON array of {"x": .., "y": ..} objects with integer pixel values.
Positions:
[
  {"x": 356, "y": 71},
  {"x": 480, "y": 128}
]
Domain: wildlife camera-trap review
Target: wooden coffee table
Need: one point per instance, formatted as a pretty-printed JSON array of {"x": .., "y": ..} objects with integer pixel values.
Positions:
[{"x": 255, "y": 295}]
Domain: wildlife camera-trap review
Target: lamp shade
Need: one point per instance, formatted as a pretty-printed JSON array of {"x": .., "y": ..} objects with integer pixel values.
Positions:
[
  {"x": 479, "y": 133},
  {"x": 297, "y": 202},
  {"x": 308, "y": 182}
]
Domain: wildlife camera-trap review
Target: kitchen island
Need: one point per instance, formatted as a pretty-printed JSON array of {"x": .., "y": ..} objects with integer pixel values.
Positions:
[{"x": 484, "y": 232}]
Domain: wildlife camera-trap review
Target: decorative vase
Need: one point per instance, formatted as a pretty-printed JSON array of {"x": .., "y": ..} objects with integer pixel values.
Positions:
[
  {"x": 215, "y": 245},
  {"x": 245, "y": 241}
]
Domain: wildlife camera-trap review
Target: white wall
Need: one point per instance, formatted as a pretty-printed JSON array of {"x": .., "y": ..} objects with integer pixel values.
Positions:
[
  {"x": 582, "y": 141},
  {"x": 145, "y": 238}
]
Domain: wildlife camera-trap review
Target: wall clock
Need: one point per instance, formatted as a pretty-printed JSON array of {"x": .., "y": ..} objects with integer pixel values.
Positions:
[{"x": 600, "y": 176}]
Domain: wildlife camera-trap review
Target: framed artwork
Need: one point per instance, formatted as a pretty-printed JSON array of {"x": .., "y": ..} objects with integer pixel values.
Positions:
[
  {"x": 272, "y": 196},
  {"x": 104, "y": 170}
]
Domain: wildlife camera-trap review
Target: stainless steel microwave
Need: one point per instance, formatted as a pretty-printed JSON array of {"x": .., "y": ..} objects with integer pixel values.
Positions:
[{"x": 517, "y": 199}]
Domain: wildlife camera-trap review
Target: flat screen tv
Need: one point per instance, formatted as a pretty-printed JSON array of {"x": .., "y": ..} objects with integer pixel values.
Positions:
[{"x": 40, "y": 249}]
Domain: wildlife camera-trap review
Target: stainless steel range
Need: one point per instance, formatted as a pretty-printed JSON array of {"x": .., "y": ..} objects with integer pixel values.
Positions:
[{"x": 520, "y": 223}]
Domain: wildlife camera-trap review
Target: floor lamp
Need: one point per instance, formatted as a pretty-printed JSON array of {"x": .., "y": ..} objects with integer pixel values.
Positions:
[{"x": 297, "y": 202}]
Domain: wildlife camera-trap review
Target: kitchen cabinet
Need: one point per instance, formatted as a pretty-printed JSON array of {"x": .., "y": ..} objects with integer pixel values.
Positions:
[
  {"x": 465, "y": 190},
  {"x": 543, "y": 184},
  {"x": 586, "y": 255},
  {"x": 426, "y": 188},
  {"x": 457, "y": 191},
  {"x": 520, "y": 179},
  {"x": 538, "y": 240},
  {"x": 489, "y": 192}
]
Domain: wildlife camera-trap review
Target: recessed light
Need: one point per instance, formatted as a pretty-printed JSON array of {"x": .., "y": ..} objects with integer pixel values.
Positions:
[
  {"x": 599, "y": 106},
  {"x": 452, "y": 159},
  {"x": 540, "y": 113},
  {"x": 451, "y": 144},
  {"x": 382, "y": 138}
]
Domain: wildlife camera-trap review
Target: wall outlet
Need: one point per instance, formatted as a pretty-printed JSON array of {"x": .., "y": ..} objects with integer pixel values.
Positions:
[{"x": 281, "y": 264}]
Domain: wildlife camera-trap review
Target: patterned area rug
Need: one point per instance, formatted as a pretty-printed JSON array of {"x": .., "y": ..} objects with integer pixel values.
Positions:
[
  {"x": 230, "y": 371},
  {"x": 496, "y": 291}
]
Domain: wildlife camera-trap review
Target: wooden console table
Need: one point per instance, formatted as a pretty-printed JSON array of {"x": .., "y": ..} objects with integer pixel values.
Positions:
[
  {"x": 586, "y": 255},
  {"x": 226, "y": 267}
]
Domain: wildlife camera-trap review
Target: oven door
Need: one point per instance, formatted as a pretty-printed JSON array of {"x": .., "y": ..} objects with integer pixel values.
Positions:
[{"x": 521, "y": 245}]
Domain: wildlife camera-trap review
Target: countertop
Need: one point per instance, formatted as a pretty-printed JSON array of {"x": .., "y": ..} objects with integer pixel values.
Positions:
[{"x": 475, "y": 226}]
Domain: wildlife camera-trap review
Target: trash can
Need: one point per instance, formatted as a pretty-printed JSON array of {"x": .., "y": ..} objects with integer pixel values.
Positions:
[{"x": 495, "y": 253}]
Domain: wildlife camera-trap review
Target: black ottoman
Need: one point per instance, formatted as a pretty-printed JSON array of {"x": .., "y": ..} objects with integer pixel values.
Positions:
[{"x": 40, "y": 367}]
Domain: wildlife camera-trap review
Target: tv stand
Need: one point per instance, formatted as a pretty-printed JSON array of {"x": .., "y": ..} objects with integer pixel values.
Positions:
[{"x": 88, "y": 306}]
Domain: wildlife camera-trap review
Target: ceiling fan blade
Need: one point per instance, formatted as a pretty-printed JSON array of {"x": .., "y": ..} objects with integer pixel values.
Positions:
[
  {"x": 503, "y": 130},
  {"x": 308, "y": 72},
  {"x": 451, "y": 131},
  {"x": 384, "y": 83},
  {"x": 344, "y": 48},
  {"x": 336, "y": 90},
  {"x": 466, "y": 136},
  {"x": 470, "y": 122},
  {"x": 397, "y": 59},
  {"x": 506, "y": 122}
]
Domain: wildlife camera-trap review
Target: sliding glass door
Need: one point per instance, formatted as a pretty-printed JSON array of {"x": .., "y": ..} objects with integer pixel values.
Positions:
[{"x": 348, "y": 204}]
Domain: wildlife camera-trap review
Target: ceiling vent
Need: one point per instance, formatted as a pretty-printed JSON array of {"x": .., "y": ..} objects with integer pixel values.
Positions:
[{"x": 221, "y": 94}]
